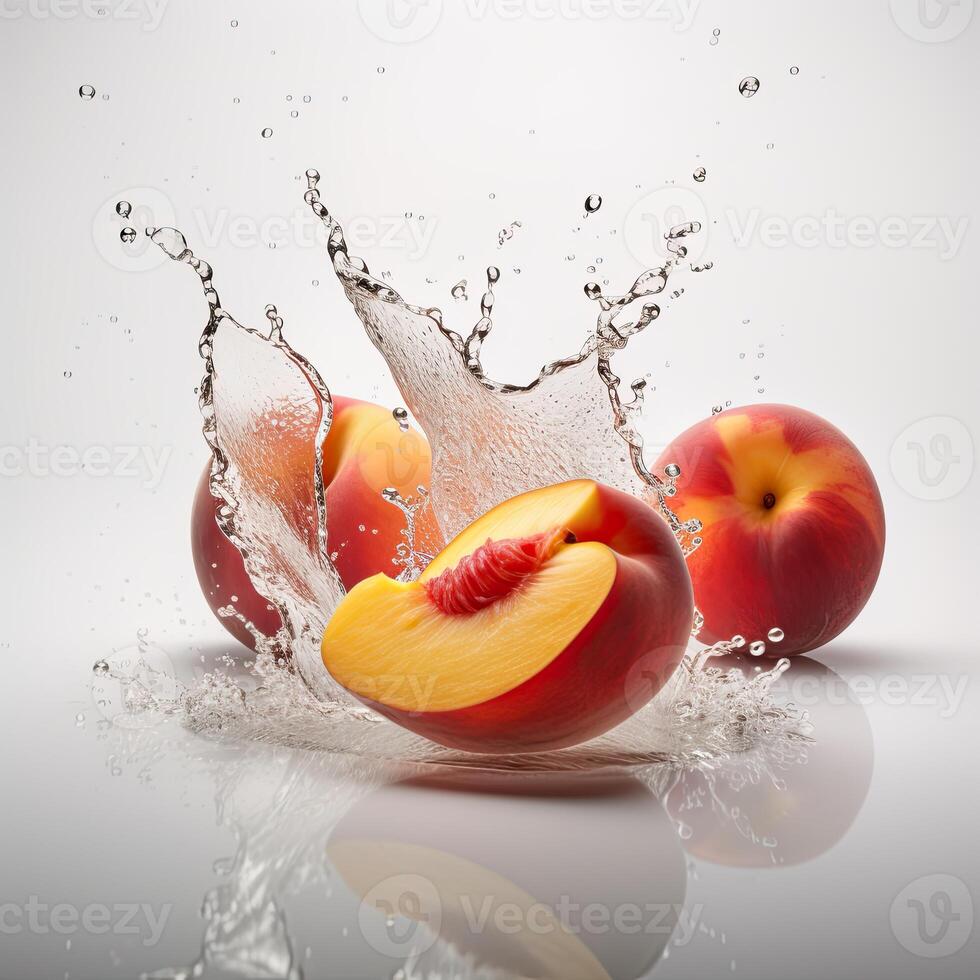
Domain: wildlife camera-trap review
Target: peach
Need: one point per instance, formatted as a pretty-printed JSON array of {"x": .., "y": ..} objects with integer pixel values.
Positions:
[
  {"x": 807, "y": 798},
  {"x": 365, "y": 451},
  {"x": 794, "y": 530},
  {"x": 522, "y": 633},
  {"x": 569, "y": 876}
]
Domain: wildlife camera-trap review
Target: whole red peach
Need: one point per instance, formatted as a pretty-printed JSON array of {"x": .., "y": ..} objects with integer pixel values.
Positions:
[
  {"x": 365, "y": 451},
  {"x": 794, "y": 530}
]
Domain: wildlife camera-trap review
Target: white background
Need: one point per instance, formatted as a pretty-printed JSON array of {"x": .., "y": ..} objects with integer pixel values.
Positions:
[{"x": 487, "y": 119}]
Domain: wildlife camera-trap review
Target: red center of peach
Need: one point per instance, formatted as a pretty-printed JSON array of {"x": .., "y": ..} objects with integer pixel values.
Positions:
[{"x": 493, "y": 571}]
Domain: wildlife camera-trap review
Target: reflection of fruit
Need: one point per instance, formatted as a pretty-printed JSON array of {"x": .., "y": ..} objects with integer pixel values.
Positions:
[
  {"x": 520, "y": 635},
  {"x": 783, "y": 804},
  {"x": 365, "y": 451},
  {"x": 550, "y": 877},
  {"x": 794, "y": 530}
]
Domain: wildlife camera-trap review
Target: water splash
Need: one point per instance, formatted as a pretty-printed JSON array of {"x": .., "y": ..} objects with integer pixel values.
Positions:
[
  {"x": 409, "y": 556},
  {"x": 491, "y": 440},
  {"x": 266, "y": 412},
  {"x": 263, "y": 403}
]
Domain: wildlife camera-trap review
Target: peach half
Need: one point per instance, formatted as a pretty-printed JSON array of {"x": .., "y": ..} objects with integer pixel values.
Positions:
[{"x": 522, "y": 634}]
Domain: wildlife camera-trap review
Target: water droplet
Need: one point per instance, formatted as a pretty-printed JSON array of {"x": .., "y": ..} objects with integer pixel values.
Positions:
[
  {"x": 266, "y": 133},
  {"x": 381, "y": 69},
  {"x": 87, "y": 92},
  {"x": 400, "y": 415},
  {"x": 294, "y": 114},
  {"x": 716, "y": 409},
  {"x": 794, "y": 70},
  {"x": 458, "y": 292},
  {"x": 738, "y": 641},
  {"x": 700, "y": 174},
  {"x": 716, "y": 31},
  {"x": 757, "y": 648},
  {"x": 127, "y": 235},
  {"x": 79, "y": 721},
  {"x": 67, "y": 374},
  {"x": 672, "y": 470},
  {"x": 748, "y": 86},
  {"x": 234, "y": 23},
  {"x": 776, "y": 635},
  {"x": 306, "y": 98},
  {"x": 592, "y": 203},
  {"x": 593, "y": 290},
  {"x": 123, "y": 209},
  {"x": 101, "y": 668}
]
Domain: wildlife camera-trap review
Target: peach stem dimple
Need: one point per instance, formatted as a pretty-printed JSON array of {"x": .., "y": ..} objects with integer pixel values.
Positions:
[{"x": 493, "y": 571}]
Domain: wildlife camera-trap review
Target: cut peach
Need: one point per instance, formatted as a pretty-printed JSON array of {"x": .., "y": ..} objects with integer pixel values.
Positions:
[{"x": 522, "y": 633}]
